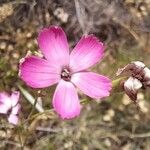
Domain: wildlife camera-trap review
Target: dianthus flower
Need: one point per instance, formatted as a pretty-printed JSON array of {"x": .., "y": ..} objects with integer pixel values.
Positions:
[
  {"x": 69, "y": 70},
  {"x": 9, "y": 106}
]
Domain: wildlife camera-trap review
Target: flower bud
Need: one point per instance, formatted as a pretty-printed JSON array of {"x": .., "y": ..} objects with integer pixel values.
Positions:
[
  {"x": 139, "y": 77},
  {"x": 131, "y": 87}
]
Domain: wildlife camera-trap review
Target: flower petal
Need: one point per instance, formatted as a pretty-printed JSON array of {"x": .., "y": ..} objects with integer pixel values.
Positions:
[
  {"x": 53, "y": 43},
  {"x": 4, "y": 109},
  {"x": 65, "y": 100},
  {"x": 5, "y": 99},
  {"x": 15, "y": 98},
  {"x": 38, "y": 72},
  {"x": 86, "y": 53},
  {"x": 13, "y": 119},
  {"x": 15, "y": 109},
  {"x": 92, "y": 84}
]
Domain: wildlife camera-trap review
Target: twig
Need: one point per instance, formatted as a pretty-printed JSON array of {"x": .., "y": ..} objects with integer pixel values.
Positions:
[
  {"x": 20, "y": 139},
  {"x": 134, "y": 135},
  {"x": 136, "y": 37},
  {"x": 46, "y": 129},
  {"x": 11, "y": 142},
  {"x": 142, "y": 135},
  {"x": 79, "y": 15}
]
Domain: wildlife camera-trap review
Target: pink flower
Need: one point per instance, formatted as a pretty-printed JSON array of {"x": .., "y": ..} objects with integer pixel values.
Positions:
[
  {"x": 69, "y": 70},
  {"x": 9, "y": 105}
]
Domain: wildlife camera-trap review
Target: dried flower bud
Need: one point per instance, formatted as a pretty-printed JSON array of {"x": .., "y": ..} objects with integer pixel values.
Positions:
[
  {"x": 133, "y": 69},
  {"x": 131, "y": 87},
  {"x": 147, "y": 72},
  {"x": 139, "y": 77},
  {"x": 146, "y": 81}
]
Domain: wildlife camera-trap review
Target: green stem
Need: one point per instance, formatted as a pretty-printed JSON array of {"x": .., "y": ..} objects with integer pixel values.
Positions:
[
  {"x": 20, "y": 139},
  {"x": 33, "y": 108}
]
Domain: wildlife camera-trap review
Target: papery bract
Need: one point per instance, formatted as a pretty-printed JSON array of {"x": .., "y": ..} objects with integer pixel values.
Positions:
[
  {"x": 69, "y": 70},
  {"x": 139, "y": 76}
]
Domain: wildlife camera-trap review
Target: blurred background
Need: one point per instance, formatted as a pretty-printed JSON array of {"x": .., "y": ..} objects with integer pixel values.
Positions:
[{"x": 111, "y": 124}]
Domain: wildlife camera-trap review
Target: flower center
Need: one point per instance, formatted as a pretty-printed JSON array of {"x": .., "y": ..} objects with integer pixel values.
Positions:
[{"x": 66, "y": 74}]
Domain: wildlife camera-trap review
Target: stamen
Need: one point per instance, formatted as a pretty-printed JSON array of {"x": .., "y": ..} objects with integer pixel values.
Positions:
[{"x": 65, "y": 74}]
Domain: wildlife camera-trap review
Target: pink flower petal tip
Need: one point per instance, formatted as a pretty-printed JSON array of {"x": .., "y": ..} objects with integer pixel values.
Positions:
[{"x": 65, "y": 100}]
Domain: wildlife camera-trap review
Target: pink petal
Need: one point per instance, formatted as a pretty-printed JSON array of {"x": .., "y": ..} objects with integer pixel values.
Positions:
[
  {"x": 3, "y": 95},
  {"x": 15, "y": 98},
  {"x": 65, "y": 100},
  {"x": 86, "y": 53},
  {"x": 92, "y": 84},
  {"x": 13, "y": 119},
  {"x": 5, "y": 99},
  {"x": 53, "y": 43},
  {"x": 4, "y": 109},
  {"x": 15, "y": 109},
  {"x": 38, "y": 72}
]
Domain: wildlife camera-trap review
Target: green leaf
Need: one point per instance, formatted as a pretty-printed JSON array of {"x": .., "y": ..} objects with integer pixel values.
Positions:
[{"x": 31, "y": 99}]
